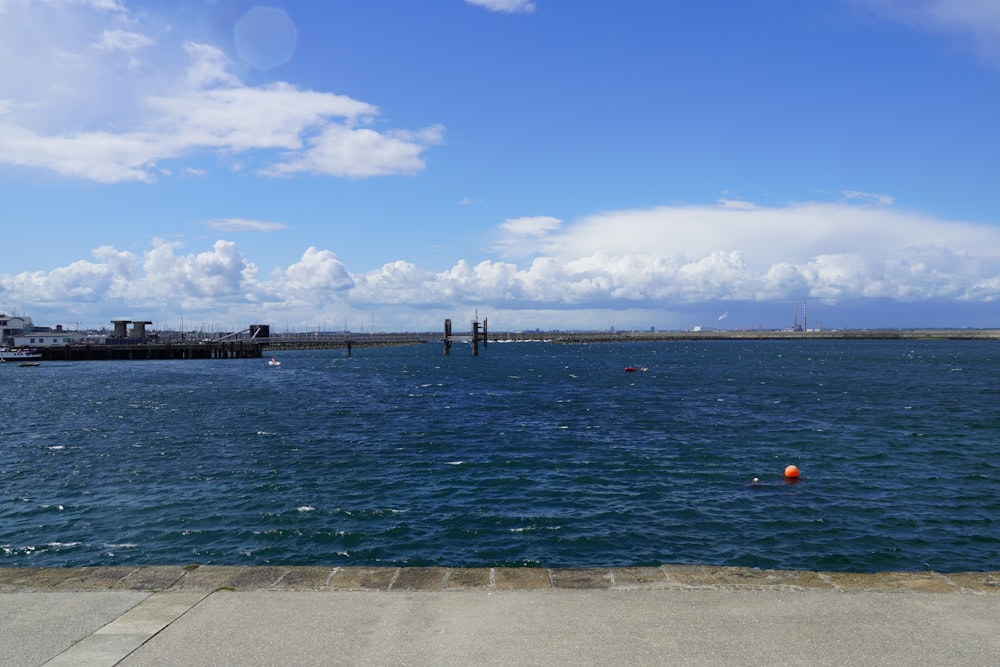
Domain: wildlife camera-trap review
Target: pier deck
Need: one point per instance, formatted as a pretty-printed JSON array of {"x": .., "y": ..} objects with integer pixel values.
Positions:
[{"x": 147, "y": 351}]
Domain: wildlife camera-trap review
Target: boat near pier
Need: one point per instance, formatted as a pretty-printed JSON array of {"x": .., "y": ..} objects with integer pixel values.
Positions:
[{"x": 19, "y": 354}]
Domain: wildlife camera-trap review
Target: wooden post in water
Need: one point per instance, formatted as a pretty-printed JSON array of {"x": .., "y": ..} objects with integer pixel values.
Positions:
[
  {"x": 447, "y": 337},
  {"x": 475, "y": 338}
]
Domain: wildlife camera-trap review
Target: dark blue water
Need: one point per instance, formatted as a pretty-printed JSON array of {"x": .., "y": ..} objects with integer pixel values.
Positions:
[{"x": 531, "y": 454}]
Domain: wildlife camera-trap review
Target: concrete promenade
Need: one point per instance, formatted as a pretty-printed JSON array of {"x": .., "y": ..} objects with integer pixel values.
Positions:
[{"x": 669, "y": 615}]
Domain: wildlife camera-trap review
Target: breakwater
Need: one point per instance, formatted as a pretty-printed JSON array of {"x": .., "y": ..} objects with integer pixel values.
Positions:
[{"x": 750, "y": 335}]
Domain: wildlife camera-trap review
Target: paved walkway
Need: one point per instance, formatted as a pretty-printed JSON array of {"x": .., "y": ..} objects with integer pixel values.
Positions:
[{"x": 496, "y": 616}]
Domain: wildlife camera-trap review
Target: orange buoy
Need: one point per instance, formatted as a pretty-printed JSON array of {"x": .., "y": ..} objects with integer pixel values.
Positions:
[{"x": 792, "y": 472}]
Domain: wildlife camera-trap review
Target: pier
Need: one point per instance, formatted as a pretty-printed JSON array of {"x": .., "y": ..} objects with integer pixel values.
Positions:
[
  {"x": 256, "y": 341},
  {"x": 237, "y": 349}
]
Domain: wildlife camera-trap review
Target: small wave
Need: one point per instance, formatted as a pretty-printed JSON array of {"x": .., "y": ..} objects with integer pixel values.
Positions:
[
  {"x": 526, "y": 529},
  {"x": 454, "y": 463},
  {"x": 306, "y": 508},
  {"x": 9, "y": 550},
  {"x": 370, "y": 513},
  {"x": 56, "y": 447}
]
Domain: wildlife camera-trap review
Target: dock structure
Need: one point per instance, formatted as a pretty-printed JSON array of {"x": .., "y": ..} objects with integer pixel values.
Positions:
[
  {"x": 237, "y": 349},
  {"x": 138, "y": 328},
  {"x": 479, "y": 334},
  {"x": 137, "y": 345},
  {"x": 121, "y": 328}
]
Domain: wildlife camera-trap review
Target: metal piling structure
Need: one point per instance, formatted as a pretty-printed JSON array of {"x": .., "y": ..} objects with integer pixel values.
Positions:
[{"x": 479, "y": 333}]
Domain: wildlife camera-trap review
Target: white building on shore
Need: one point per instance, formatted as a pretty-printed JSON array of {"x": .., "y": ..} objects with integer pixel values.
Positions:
[
  {"x": 56, "y": 338},
  {"x": 13, "y": 325}
]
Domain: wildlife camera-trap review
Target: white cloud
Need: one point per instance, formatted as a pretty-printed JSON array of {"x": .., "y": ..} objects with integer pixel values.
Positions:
[
  {"x": 98, "y": 156},
  {"x": 520, "y": 236},
  {"x": 316, "y": 271},
  {"x": 867, "y": 197},
  {"x": 406, "y": 281},
  {"x": 122, "y": 40},
  {"x": 975, "y": 22},
  {"x": 764, "y": 235},
  {"x": 538, "y": 225},
  {"x": 505, "y": 6},
  {"x": 359, "y": 153},
  {"x": 643, "y": 262},
  {"x": 244, "y": 225},
  {"x": 220, "y": 274},
  {"x": 86, "y": 107}
]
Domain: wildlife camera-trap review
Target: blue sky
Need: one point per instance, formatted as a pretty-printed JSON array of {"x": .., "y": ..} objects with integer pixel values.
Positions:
[{"x": 552, "y": 164}]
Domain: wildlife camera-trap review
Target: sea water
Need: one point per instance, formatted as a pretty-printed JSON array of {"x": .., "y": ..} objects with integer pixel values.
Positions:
[{"x": 531, "y": 454}]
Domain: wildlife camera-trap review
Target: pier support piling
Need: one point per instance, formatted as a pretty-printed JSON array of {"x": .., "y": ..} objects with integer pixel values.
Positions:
[{"x": 478, "y": 335}]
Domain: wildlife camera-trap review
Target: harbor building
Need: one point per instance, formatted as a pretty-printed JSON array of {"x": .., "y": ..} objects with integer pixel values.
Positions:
[
  {"x": 11, "y": 326},
  {"x": 59, "y": 337}
]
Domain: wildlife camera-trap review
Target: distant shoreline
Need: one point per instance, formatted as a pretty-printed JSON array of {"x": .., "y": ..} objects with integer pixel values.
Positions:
[
  {"x": 844, "y": 334},
  {"x": 339, "y": 341}
]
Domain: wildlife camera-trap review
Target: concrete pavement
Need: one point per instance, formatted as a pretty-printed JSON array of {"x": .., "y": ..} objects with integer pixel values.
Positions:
[{"x": 680, "y": 615}]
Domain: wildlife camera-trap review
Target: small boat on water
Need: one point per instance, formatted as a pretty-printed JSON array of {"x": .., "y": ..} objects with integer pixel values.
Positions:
[
  {"x": 19, "y": 354},
  {"x": 636, "y": 369},
  {"x": 273, "y": 362},
  {"x": 24, "y": 364}
]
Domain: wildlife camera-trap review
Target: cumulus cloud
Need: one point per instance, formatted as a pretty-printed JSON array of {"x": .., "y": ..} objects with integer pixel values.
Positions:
[
  {"x": 505, "y": 6},
  {"x": 221, "y": 273},
  {"x": 765, "y": 236},
  {"x": 317, "y": 271},
  {"x": 642, "y": 262},
  {"x": 128, "y": 116}
]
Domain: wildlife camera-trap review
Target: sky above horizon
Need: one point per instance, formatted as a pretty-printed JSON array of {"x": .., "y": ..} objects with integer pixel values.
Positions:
[{"x": 548, "y": 164}]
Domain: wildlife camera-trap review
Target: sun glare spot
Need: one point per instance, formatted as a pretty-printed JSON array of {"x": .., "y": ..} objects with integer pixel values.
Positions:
[{"x": 265, "y": 37}]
